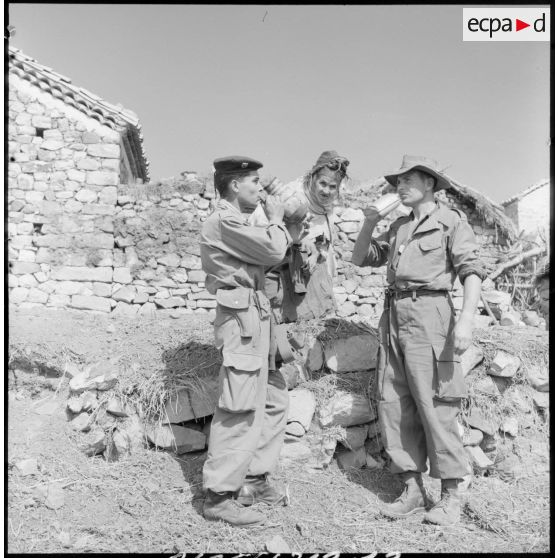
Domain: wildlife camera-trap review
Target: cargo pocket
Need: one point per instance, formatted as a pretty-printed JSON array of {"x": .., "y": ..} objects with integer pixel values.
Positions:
[
  {"x": 235, "y": 303},
  {"x": 239, "y": 387},
  {"x": 450, "y": 383}
]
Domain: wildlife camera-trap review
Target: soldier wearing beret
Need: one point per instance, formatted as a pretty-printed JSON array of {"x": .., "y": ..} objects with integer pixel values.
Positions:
[
  {"x": 249, "y": 423},
  {"x": 419, "y": 379}
]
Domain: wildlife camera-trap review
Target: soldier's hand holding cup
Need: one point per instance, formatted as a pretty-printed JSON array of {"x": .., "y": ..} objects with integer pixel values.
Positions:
[{"x": 381, "y": 207}]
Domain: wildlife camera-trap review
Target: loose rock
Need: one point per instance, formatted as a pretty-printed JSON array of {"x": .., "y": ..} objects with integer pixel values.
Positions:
[
  {"x": 351, "y": 354},
  {"x": 302, "y": 404},
  {"x": 510, "y": 426},
  {"x": 295, "y": 451},
  {"x": 472, "y": 437},
  {"x": 346, "y": 409},
  {"x": 355, "y": 436},
  {"x": 487, "y": 386},
  {"x": 81, "y": 422},
  {"x": 510, "y": 318},
  {"x": 538, "y": 377},
  {"x": 504, "y": 365},
  {"x": 478, "y": 458},
  {"x": 277, "y": 545},
  {"x": 176, "y": 438},
  {"x": 94, "y": 443},
  {"x": 541, "y": 400},
  {"x": 374, "y": 464},
  {"x": 117, "y": 408},
  {"x": 471, "y": 358},
  {"x": 476, "y": 420},
  {"x": 183, "y": 406},
  {"x": 352, "y": 459}
]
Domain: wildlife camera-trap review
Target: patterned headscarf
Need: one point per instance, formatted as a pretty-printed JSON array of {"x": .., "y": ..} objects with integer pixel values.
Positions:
[{"x": 334, "y": 162}]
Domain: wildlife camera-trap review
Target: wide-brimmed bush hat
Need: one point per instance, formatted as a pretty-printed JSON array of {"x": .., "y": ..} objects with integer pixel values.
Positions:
[{"x": 424, "y": 164}]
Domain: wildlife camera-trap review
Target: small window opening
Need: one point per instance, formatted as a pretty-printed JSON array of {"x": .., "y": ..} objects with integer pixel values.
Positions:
[
  {"x": 39, "y": 132},
  {"x": 37, "y": 227}
]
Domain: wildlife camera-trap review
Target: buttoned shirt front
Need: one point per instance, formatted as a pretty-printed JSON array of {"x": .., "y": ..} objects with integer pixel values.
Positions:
[
  {"x": 235, "y": 253},
  {"x": 441, "y": 246}
]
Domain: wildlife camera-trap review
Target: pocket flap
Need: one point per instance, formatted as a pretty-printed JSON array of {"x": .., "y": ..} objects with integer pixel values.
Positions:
[
  {"x": 247, "y": 362},
  {"x": 431, "y": 241},
  {"x": 238, "y": 299}
]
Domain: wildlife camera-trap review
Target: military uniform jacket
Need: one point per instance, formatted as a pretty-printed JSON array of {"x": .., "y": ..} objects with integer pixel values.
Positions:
[
  {"x": 234, "y": 255},
  {"x": 429, "y": 257}
]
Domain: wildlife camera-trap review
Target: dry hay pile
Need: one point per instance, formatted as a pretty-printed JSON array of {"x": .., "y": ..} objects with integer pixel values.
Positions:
[{"x": 182, "y": 365}]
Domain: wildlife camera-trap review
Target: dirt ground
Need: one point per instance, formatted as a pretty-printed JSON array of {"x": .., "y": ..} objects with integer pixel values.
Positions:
[{"x": 151, "y": 500}]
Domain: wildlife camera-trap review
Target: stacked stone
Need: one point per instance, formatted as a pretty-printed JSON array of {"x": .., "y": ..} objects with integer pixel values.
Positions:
[
  {"x": 62, "y": 176},
  {"x": 358, "y": 290},
  {"x": 162, "y": 267}
]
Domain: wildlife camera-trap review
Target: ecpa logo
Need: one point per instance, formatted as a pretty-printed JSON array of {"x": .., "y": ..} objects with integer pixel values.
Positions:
[{"x": 506, "y": 24}]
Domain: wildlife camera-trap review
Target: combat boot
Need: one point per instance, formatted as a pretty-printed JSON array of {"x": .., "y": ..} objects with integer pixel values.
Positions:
[
  {"x": 412, "y": 500},
  {"x": 257, "y": 489},
  {"x": 448, "y": 510},
  {"x": 220, "y": 506}
]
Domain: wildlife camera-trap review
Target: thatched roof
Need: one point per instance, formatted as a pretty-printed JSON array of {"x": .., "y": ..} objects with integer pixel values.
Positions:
[
  {"x": 491, "y": 213},
  {"x": 527, "y": 191}
]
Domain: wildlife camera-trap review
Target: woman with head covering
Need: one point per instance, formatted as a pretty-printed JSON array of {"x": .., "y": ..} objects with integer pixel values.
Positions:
[{"x": 308, "y": 279}]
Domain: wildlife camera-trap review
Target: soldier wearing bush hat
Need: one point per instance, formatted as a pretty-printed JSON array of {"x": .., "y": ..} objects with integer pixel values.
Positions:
[
  {"x": 249, "y": 422},
  {"x": 419, "y": 379}
]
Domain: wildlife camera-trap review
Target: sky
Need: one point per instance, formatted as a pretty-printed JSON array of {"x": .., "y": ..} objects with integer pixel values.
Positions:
[{"x": 284, "y": 83}]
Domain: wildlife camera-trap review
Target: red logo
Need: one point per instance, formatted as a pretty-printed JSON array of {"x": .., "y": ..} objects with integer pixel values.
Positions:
[{"x": 519, "y": 25}]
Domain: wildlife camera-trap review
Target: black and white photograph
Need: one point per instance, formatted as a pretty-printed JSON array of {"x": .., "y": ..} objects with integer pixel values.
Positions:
[{"x": 278, "y": 278}]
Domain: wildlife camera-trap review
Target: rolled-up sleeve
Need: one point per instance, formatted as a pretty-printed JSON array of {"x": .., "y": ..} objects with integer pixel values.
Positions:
[
  {"x": 377, "y": 253},
  {"x": 464, "y": 252},
  {"x": 254, "y": 244},
  {"x": 378, "y": 250}
]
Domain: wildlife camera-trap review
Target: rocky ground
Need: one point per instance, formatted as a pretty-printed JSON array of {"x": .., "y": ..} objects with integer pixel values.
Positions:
[{"x": 61, "y": 500}]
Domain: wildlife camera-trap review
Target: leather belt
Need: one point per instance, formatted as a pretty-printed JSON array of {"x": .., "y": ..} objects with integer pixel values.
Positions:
[{"x": 414, "y": 293}]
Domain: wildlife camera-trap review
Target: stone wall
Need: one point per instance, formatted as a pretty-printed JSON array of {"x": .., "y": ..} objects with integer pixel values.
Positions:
[
  {"x": 62, "y": 176},
  {"x": 141, "y": 254}
]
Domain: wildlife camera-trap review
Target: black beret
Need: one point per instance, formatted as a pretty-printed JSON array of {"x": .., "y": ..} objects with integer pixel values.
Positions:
[{"x": 236, "y": 164}]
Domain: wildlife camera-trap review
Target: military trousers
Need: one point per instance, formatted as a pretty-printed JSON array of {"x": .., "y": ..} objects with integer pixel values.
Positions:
[
  {"x": 419, "y": 387},
  {"x": 249, "y": 423}
]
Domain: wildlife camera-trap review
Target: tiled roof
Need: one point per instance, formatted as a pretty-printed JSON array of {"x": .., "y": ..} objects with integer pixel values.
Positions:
[
  {"x": 115, "y": 117},
  {"x": 532, "y": 188}
]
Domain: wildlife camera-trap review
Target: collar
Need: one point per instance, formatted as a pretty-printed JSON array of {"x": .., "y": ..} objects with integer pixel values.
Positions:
[
  {"x": 432, "y": 220},
  {"x": 224, "y": 204}
]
